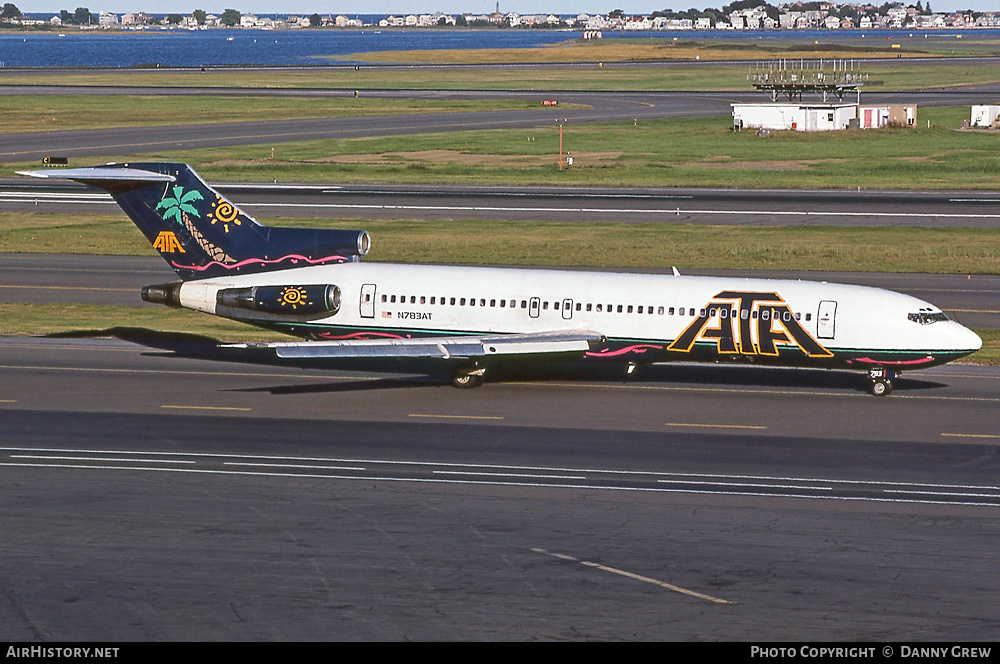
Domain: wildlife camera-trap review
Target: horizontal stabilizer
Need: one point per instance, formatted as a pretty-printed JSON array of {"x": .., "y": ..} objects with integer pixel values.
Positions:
[
  {"x": 108, "y": 178},
  {"x": 444, "y": 348}
]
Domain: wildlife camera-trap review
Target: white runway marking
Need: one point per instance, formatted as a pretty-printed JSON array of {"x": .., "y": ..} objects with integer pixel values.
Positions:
[
  {"x": 637, "y": 577},
  {"x": 595, "y": 479}
]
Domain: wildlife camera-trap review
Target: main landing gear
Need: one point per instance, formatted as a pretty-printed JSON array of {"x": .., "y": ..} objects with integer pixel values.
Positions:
[
  {"x": 881, "y": 381},
  {"x": 466, "y": 378}
]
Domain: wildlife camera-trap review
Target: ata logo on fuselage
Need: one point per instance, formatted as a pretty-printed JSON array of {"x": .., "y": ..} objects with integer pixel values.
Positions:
[
  {"x": 748, "y": 323},
  {"x": 167, "y": 243}
]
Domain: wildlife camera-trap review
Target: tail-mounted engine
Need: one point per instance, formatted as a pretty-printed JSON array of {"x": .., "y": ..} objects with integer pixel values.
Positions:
[{"x": 302, "y": 300}]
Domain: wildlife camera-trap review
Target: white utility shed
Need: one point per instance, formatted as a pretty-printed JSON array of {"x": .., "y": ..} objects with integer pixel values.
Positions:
[
  {"x": 984, "y": 115},
  {"x": 800, "y": 117}
]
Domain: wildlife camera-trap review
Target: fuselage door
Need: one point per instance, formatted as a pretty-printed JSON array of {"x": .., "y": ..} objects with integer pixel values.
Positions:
[
  {"x": 368, "y": 301},
  {"x": 826, "y": 319},
  {"x": 567, "y": 309},
  {"x": 533, "y": 307}
]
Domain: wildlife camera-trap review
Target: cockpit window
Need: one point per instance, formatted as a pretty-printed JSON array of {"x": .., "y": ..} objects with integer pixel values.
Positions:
[{"x": 927, "y": 317}]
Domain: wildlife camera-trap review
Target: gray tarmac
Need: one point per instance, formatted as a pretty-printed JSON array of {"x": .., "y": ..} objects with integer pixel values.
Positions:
[
  {"x": 153, "y": 495},
  {"x": 568, "y": 205}
]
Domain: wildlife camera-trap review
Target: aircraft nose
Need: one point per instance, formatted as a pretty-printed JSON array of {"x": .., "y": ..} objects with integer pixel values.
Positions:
[{"x": 962, "y": 338}]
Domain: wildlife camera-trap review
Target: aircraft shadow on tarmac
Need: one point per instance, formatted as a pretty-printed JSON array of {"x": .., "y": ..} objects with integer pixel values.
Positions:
[{"x": 436, "y": 373}]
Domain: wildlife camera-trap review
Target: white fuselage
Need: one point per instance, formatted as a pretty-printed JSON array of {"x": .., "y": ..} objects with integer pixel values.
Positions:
[{"x": 731, "y": 318}]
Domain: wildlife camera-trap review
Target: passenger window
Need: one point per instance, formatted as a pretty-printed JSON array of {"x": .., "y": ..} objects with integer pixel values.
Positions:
[
  {"x": 600, "y": 308},
  {"x": 629, "y": 309},
  {"x": 619, "y": 308}
]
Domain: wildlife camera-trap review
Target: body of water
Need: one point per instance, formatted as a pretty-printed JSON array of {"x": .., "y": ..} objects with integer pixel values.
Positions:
[{"x": 186, "y": 48}]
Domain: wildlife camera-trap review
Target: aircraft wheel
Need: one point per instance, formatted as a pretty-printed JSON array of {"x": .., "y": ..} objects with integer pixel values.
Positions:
[
  {"x": 464, "y": 380},
  {"x": 881, "y": 388}
]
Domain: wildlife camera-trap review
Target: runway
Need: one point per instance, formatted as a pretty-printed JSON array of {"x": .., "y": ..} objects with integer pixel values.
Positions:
[
  {"x": 570, "y": 204},
  {"x": 152, "y": 496}
]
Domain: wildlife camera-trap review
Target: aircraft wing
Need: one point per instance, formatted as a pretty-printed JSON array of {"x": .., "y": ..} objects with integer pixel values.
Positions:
[{"x": 444, "y": 348}]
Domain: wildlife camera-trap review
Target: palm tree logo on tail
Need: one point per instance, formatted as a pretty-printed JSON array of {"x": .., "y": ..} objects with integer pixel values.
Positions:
[{"x": 179, "y": 208}]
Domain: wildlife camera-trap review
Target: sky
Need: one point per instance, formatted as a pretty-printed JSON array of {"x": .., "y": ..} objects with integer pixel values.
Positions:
[{"x": 284, "y": 7}]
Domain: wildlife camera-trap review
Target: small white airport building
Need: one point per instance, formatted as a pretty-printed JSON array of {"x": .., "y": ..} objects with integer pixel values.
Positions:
[
  {"x": 825, "y": 117},
  {"x": 895, "y": 115},
  {"x": 795, "y": 116},
  {"x": 984, "y": 116}
]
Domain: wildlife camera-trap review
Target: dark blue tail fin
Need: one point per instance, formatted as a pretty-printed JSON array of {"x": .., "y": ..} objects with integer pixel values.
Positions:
[{"x": 199, "y": 232}]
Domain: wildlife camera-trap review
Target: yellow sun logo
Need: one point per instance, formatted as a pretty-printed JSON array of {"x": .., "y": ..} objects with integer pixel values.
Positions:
[
  {"x": 293, "y": 296},
  {"x": 225, "y": 213}
]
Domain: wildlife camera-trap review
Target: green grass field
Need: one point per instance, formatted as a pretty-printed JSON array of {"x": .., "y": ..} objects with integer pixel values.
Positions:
[
  {"x": 633, "y": 246},
  {"x": 25, "y": 113},
  {"x": 682, "y": 152},
  {"x": 696, "y": 76}
]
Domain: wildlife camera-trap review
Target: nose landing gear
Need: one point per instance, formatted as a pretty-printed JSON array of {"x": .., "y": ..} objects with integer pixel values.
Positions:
[{"x": 881, "y": 381}]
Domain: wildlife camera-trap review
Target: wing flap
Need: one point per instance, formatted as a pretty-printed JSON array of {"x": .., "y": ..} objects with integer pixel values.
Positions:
[{"x": 444, "y": 348}]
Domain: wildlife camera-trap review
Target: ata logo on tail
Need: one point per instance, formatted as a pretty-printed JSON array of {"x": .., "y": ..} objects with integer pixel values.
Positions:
[
  {"x": 167, "y": 243},
  {"x": 748, "y": 323}
]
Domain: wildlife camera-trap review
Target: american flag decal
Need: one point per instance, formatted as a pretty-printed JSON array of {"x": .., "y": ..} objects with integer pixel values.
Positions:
[{"x": 386, "y": 314}]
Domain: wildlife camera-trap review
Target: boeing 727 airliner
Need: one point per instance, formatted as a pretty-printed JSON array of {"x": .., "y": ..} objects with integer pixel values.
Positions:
[{"x": 313, "y": 284}]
